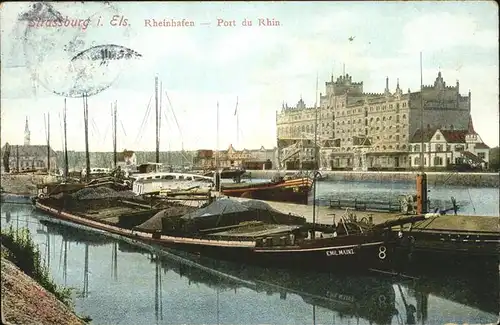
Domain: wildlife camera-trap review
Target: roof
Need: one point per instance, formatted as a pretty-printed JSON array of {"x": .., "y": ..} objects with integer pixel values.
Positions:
[
  {"x": 120, "y": 156},
  {"x": 30, "y": 151},
  {"x": 427, "y": 135},
  {"x": 481, "y": 145},
  {"x": 451, "y": 136},
  {"x": 454, "y": 136},
  {"x": 473, "y": 157}
]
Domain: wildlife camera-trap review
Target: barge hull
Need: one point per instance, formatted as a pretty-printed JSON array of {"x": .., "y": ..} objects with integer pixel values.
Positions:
[{"x": 332, "y": 258}]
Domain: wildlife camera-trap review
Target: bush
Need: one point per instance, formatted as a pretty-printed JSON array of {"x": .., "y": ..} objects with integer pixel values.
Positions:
[
  {"x": 494, "y": 164},
  {"x": 22, "y": 251}
]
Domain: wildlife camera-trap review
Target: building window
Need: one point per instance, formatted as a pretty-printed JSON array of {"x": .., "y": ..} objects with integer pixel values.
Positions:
[
  {"x": 417, "y": 148},
  {"x": 481, "y": 155},
  {"x": 438, "y": 161},
  {"x": 459, "y": 148},
  {"x": 417, "y": 161}
]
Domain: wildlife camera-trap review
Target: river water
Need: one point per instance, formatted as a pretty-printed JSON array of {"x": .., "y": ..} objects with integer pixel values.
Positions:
[
  {"x": 116, "y": 283},
  {"x": 471, "y": 201}
]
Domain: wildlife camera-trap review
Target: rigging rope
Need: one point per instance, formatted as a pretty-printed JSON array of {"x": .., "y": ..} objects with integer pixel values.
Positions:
[
  {"x": 123, "y": 128},
  {"x": 62, "y": 133},
  {"x": 144, "y": 119},
  {"x": 173, "y": 113},
  {"x": 106, "y": 133},
  {"x": 178, "y": 127}
]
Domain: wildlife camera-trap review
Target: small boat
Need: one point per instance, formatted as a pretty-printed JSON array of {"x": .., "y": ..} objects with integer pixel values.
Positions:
[
  {"x": 6, "y": 197},
  {"x": 281, "y": 189},
  {"x": 234, "y": 173},
  {"x": 156, "y": 182}
]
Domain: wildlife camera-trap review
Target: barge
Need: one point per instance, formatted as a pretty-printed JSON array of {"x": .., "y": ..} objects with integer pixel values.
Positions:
[{"x": 256, "y": 234}]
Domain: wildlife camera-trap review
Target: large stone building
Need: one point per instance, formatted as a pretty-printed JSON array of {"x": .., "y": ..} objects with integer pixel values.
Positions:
[{"x": 362, "y": 131}]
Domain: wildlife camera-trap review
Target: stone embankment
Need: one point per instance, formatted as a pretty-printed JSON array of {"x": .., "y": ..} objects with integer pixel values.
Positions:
[
  {"x": 25, "y": 302},
  {"x": 24, "y": 184},
  {"x": 434, "y": 178}
]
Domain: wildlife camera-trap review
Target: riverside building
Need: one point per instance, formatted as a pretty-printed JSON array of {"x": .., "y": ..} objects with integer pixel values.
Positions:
[{"x": 366, "y": 131}]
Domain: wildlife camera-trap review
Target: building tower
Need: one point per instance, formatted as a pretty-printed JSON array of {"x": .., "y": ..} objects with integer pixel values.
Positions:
[{"x": 26, "y": 134}]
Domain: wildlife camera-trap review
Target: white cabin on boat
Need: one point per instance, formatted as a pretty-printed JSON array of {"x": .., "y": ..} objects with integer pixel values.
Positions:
[
  {"x": 96, "y": 171},
  {"x": 156, "y": 182}
]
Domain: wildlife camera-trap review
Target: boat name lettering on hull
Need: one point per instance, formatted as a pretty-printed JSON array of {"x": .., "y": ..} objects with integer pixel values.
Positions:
[{"x": 337, "y": 252}]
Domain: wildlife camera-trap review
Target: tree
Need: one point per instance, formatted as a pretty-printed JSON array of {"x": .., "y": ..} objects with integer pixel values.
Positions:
[
  {"x": 494, "y": 159},
  {"x": 6, "y": 158}
]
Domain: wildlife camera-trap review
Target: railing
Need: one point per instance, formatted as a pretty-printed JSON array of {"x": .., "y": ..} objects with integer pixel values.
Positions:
[{"x": 366, "y": 205}]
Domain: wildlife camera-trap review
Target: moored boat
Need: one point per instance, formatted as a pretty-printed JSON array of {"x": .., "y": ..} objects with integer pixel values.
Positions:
[
  {"x": 281, "y": 189},
  {"x": 156, "y": 182},
  {"x": 257, "y": 235}
]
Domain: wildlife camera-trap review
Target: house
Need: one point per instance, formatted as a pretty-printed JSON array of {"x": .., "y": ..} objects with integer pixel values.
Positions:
[
  {"x": 446, "y": 147},
  {"x": 126, "y": 159},
  {"x": 29, "y": 157},
  {"x": 247, "y": 158}
]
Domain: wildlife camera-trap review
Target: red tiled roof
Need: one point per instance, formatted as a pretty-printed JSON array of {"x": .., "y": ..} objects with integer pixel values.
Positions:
[{"x": 454, "y": 136}]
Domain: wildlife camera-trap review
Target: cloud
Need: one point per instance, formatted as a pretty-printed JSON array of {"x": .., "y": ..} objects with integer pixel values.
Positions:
[
  {"x": 265, "y": 66},
  {"x": 439, "y": 31}
]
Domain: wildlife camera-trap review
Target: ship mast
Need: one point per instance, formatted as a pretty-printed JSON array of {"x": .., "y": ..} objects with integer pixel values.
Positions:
[
  {"x": 113, "y": 107},
  {"x": 157, "y": 124},
  {"x": 422, "y": 199},
  {"x": 315, "y": 171},
  {"x": 65, "y": 143},
  {"x": 421, "y": 118},
  {"x": 217, "y": 173},
  {"x": 86, "y": 127},
  {"x": 237, "y": 123},
  {"x": 48, "y": 143}
]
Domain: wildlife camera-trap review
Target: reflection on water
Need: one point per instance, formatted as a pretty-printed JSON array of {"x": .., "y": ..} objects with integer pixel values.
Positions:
[{"x": 117, "y": 283}]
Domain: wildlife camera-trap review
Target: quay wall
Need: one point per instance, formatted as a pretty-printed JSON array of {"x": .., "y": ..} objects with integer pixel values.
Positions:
[
  {"x": 24, "y": 184},
  {"x": 437, "y": 178}
]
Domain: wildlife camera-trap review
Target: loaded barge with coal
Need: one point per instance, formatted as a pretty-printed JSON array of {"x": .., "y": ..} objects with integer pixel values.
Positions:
[{"x": 249, "y": 232}]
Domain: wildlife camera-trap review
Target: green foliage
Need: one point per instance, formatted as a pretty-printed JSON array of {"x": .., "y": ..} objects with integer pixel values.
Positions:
[
  {"x": 494, "y": 163},
  {"x": 24, "y": 253}
]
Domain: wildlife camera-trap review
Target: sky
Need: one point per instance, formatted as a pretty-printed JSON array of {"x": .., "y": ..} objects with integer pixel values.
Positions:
[{"x": 252, "y": 68}]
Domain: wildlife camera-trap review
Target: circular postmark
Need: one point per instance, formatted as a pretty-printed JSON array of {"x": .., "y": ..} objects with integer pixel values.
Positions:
[{"x": 67, "y": 53}]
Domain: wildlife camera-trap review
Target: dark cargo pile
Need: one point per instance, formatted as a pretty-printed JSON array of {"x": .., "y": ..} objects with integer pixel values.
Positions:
[
  {"x": 221, "y": 206},
  {"x": 155, "y": 222},
  {"x": 93, "y": 193},
  {"x": 227, "y": 206},
  {"x": 258, "y": 205}
]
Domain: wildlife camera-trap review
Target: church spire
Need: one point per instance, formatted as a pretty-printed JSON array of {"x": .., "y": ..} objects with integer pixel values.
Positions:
[
  {"x": 26, "y": 133},
  {"x": 471, "y": 126}
]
